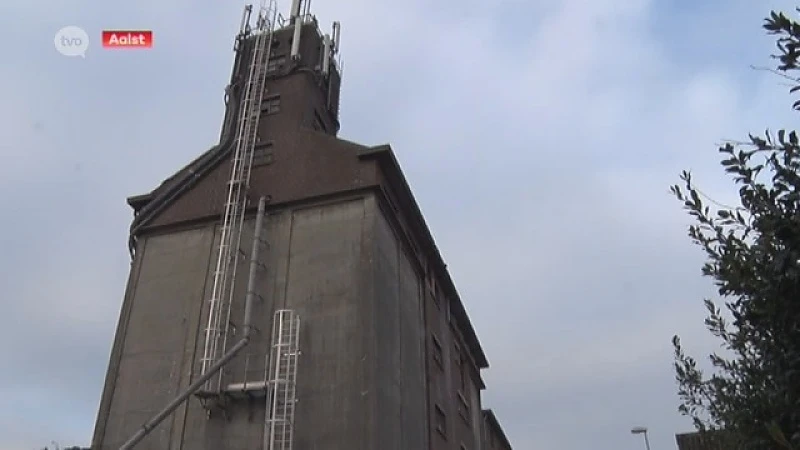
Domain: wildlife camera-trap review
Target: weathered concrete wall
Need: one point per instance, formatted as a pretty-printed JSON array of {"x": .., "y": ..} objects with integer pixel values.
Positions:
[
  {"x": 475, "y": 416},
  {"x": 159, "y": 322},
  {"x": 241, "y": 425},
  {"x": 325, "y": 278},
  {"x": 400, "y": 338},
  {"x": 317, "y": 263}
]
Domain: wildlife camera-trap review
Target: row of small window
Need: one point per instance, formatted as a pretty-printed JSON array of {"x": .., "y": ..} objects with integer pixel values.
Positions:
[
  {"x": 271, "y": 104},
  {"x": 458, "y": 358},
  {"x": 262, "y": 154}
]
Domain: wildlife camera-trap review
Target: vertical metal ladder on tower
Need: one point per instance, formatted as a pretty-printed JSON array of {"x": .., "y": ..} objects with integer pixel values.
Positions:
[
  {"x": 279, "y": 431},
  {"x": 218, "y": 325}
]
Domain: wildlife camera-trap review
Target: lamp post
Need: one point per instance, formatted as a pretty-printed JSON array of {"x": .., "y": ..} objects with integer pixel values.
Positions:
[{"x": 642, "y": 430}]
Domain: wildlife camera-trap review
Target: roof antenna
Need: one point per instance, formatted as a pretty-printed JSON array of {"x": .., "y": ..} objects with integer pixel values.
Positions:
[
  {"x": 298, "y": 26},
  {"x": 295, "y": 11},
  {"x": 244, "y": 28},
  {"x": 326, "y": 55},
  {"x": 337, "y": 30}
]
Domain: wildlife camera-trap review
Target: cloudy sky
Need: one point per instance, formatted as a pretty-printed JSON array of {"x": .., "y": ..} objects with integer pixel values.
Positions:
[{"x": 539, "y": 137}]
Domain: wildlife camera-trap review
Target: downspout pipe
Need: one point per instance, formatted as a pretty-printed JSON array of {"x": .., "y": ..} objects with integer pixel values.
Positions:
[{"x": 150, "y": 425}]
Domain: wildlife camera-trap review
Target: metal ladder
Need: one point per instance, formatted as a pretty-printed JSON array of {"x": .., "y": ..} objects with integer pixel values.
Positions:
[
  {"x": 279, "y": 430},
  {"x": 218, "y": 326}
]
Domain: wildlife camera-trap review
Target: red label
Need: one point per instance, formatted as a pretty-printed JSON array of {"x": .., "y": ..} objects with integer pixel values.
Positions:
[{"x": 127, "y": 39}]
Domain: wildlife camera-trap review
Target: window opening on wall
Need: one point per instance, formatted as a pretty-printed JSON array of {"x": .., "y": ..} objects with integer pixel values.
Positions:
[
  {"x": 463, "y": 409},
  {"x": 262, "y": 154},
  {"x": 276, "y": 63},
  {"x": 271, "y": 104},
  {"x": 461, "y": 365},
  {"x": 449, "y": 316},
  {"x": 462, "y": 369},
  {"x": 437, "y": 299},
  {"x": 458, "y": 364},
  {"x": 437, "y": 351},
  {"x": 441, "y": 421}
]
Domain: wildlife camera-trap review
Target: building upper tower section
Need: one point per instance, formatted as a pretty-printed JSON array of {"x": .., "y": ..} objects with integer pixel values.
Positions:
[{"x": 304, "y": 73}]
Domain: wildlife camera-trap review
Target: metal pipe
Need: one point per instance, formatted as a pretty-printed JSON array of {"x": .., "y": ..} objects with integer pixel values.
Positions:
[
  {"x": 148, "y": 426},
  {"x": 642, "y": 430},
  {"x": 245, "y": 20},
  {"x": 295, "y": 11},
  {"x": 326, "y": 55},
  {"x": 251, "y": 280},
  {"x": 152, "y": 423},
  {"x": 298, "y": 26},
  {"x": 336, "y": 36}
]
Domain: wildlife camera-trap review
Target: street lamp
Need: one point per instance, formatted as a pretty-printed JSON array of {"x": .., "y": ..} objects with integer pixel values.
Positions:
[{"x": 642, "y": 430}]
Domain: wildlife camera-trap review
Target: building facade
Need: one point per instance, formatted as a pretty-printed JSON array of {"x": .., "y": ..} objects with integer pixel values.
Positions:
[{"x": 388, "y": 357}]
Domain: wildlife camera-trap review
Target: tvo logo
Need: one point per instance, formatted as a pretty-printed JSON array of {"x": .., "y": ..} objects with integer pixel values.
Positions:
[{"x": 72, "y": 41}]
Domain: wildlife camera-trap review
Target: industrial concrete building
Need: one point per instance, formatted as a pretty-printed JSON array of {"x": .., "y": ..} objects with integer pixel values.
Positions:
[{"x": 300, "y": 264}]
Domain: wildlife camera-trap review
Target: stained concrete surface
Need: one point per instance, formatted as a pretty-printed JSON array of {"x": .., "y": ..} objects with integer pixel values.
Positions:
[{"x": 361, "y": 382}]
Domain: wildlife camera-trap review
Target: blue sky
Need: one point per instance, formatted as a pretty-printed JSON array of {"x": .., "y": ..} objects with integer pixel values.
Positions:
[{"x": 539, "y": 137}]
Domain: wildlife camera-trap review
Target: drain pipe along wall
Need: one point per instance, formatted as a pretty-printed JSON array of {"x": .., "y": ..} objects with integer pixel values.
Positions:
[{"x": 148, "y": 426}]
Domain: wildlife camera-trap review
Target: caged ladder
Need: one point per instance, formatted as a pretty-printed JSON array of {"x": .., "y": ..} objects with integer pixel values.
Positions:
[
  {"x": 218, "y": 326},
  {"x": 282, "y": 380}
]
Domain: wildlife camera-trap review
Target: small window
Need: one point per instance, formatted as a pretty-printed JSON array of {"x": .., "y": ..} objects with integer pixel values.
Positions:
[
  {"x": 463, "y": 408},
  {"x": 437, "y": 352},
  {"x": 271, "y": 104},
  {"x": 262, "y": 154},
  {"x": 463, "y": 369},
  {"x": 460, "y": 363},
  {"x": 440, "y": 421},
  {"x": 276, "y": 63},
  {"x": 432, "y": 292}
]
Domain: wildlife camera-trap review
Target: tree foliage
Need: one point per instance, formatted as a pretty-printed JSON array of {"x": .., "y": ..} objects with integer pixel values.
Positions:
[{"x": 753, "y": 256}]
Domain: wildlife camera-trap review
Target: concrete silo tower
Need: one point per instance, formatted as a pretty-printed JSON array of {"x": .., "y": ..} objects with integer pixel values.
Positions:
[{"x": 285, "y": 291}]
